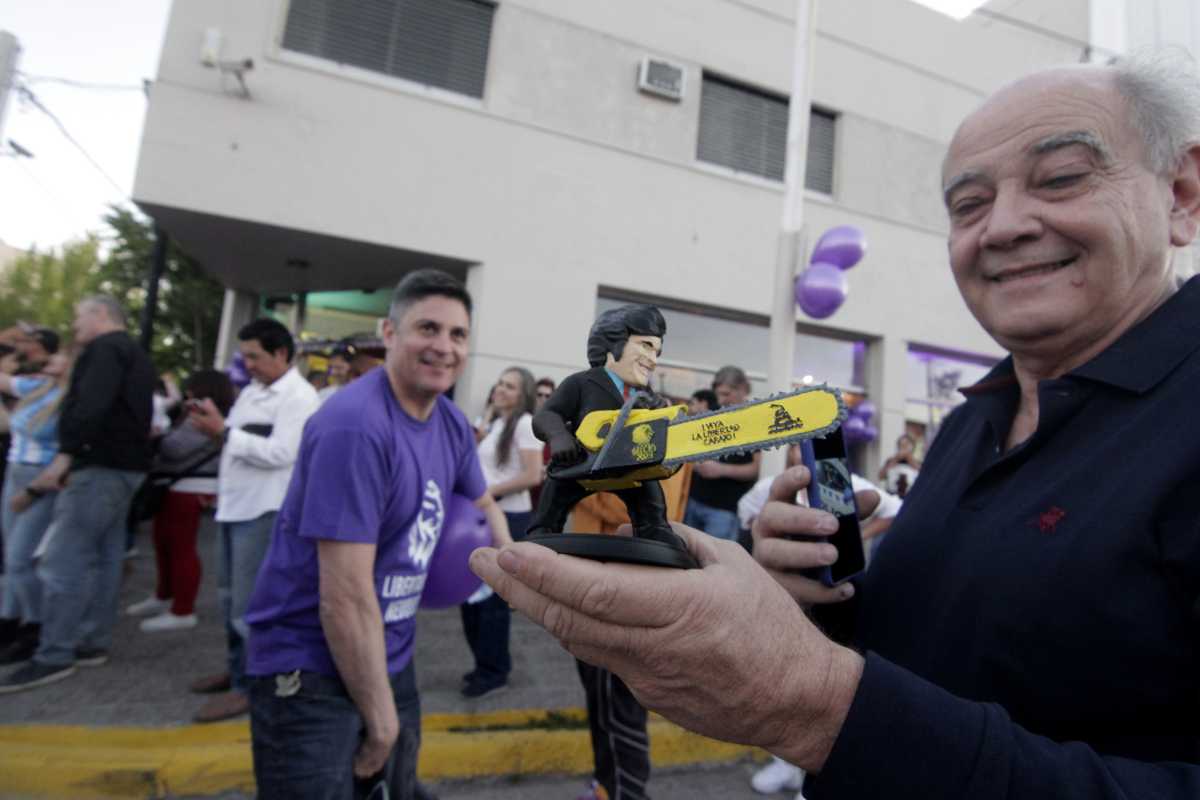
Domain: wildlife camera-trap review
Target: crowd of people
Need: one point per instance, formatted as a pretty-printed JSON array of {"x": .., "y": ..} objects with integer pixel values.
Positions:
[
  {"x": 92, "y": 417},
  {"x": 1066, "y": 193}
]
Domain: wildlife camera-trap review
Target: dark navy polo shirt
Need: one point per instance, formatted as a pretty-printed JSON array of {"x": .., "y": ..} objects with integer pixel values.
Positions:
[{"x": 1031, "y": 622}]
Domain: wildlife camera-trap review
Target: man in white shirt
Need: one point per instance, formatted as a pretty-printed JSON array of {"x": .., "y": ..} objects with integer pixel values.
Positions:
[{"x": 262, "y": 440}]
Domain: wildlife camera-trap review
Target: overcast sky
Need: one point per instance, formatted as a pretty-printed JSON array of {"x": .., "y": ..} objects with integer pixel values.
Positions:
[{"x": 58, "y": 195}]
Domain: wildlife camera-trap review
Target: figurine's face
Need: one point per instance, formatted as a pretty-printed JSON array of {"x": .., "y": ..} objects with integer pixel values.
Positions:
[{"x": 638, "y": 360}]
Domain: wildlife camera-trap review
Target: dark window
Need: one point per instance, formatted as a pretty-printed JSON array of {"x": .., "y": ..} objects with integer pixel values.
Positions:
[
  {"x": 746, "y": 129},
  {"x": 442, "y": 43}
]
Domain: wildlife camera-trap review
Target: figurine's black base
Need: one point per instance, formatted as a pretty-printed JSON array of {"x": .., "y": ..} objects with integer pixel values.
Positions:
[{"x": 626, "y": 549}]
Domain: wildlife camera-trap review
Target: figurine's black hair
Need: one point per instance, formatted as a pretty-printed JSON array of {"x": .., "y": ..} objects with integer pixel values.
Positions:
[{"x": 613, "y": 328}]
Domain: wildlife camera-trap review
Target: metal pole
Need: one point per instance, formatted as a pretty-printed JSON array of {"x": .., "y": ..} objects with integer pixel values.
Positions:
[
  {"x": 158, "y": 265},
  {"x": 792, "y": 244},
  {"x": 10, "y": 52}
]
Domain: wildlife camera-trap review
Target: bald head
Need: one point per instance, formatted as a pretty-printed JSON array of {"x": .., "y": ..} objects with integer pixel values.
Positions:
[
  {"x": 1092, "y": 90},
  {"x": 1062, "y": 214}
]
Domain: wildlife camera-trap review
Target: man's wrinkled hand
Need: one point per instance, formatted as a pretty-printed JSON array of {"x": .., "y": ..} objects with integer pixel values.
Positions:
[{"x": 722, "y": 650}]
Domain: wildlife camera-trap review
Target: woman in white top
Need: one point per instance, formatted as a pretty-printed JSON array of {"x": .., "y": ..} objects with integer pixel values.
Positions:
[{"x": 511, "y": 457}]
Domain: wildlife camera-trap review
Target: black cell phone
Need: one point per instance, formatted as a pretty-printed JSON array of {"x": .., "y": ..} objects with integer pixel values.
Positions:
[
  {"x": 258, "y": 428},
  {"x": 832, "y": 490}
]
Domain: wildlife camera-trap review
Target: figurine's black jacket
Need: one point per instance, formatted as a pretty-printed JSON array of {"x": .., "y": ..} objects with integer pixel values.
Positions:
[{"x": 576, "y": 397}]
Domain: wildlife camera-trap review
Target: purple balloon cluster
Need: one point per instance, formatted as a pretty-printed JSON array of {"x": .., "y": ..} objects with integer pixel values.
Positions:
[
  {"x": 821, "y": 289},
  {"x": 857, "y": 429}
]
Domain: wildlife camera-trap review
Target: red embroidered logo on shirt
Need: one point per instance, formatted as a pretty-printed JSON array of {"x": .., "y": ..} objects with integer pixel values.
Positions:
[{"x": 1048, "y": 520}]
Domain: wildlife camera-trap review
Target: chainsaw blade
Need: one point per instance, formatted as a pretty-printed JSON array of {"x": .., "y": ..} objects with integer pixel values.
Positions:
[{"x": 762, "y": 424}]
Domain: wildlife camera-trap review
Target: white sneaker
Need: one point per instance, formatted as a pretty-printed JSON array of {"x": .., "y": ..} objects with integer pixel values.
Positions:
[
  {"x": 167, "y": 621},
  {"x": 148, "y": 607},
  {"x": 777, "y": 776}
]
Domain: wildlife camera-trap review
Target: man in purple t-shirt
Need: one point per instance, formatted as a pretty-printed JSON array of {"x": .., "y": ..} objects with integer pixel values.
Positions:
[{"x": 333, "y": 701}]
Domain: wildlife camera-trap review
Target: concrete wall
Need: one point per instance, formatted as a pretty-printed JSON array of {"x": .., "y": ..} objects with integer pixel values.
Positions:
[{"x": 564, "y": 177}]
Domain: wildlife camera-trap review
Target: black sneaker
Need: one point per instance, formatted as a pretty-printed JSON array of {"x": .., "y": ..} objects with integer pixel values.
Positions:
[
  {"x": 19, "y": 651},
  {"x": 10, "y": 630},
  {"x": 34, "y": 674},
  {"x": 90, "y": 656}
]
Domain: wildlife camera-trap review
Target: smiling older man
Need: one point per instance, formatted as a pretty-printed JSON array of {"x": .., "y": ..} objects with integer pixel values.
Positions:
[{"x": 1031, "y": 626}]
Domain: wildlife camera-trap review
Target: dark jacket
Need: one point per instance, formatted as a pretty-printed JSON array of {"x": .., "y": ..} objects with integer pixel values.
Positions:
[
  {"x": 576, "y": 397},
  {"x": 105, "y": 418}
]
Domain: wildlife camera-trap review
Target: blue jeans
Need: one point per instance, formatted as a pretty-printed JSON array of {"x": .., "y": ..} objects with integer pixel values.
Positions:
[
  {"x": 714, "y": 521},
  {"x": 486, "y": 624},
  {"x": 81, "y": 568},
  {"x": 243, "y": 545},
  {"x": 22, "y": 534},
  {"x": 304, "y": 738}
]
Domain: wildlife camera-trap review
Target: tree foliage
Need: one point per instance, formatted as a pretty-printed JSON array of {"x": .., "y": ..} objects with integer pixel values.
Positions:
[
  {"x": 43, "y": 288},
  {"x": 189, "y": 300}
]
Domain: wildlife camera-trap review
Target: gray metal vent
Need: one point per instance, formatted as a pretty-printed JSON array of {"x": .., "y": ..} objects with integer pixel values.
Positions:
[
  {"x": 662, "y": 78},
  {"x": 442, "y": 43}
]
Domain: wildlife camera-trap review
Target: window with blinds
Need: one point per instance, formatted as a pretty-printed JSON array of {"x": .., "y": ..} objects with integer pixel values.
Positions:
[
  {"x": 442, "y": 43},
  {"x": 746, "y": 130}
]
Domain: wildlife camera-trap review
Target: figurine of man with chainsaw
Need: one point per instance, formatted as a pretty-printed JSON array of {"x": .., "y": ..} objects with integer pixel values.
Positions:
[{"x": 623, "y": 349}]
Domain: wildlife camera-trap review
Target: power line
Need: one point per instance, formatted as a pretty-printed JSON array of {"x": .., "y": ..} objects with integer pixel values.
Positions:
[
  {"x": 100, "y": 87},
  {"x": 28, "y": 94}
]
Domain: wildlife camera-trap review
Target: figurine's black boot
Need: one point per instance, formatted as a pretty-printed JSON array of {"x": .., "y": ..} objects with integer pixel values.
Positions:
[{"x": 662, "y": 534}]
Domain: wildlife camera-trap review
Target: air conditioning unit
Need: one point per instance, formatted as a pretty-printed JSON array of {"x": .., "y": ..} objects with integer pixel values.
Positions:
[{"x": 660, "y": 77}]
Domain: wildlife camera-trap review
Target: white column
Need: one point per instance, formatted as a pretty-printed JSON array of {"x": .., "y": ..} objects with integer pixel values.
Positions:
[
  {"x": 238, "y": 309},
  {"x": 792, "y": 245},
  {"x": 887, "y": 375}
]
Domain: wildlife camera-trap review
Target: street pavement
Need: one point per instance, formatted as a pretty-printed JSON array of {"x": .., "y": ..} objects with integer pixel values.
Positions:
[
  {"x": 145, "y": 685},
  {"x": 718, "y": 782},
  {"x": 145, "y": 682}
]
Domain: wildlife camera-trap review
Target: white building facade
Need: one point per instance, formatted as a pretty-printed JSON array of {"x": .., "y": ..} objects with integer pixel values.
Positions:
[{"x": 509, "y": 142}]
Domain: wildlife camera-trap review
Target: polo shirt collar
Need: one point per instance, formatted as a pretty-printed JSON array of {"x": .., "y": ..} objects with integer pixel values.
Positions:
[{"x": 1153, "y": 348}]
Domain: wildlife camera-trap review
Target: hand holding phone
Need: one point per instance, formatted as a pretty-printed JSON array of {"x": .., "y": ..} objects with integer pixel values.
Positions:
[{"x": 832, "y": 490}]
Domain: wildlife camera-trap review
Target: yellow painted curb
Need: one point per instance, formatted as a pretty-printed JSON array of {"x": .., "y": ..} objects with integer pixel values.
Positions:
[{"x": 82, "y": 763}]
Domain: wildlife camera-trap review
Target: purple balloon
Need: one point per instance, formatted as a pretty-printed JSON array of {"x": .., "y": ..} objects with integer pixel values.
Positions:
[
  {"x": 237, "y": 371},
  {"x": 843, "y": 246},
  {"x": 865, "y": 410},
  {"x": 821, "y": 290},
  {"x": 450, "y": 581},
  {"x": 853, "y": 429},
  {"x": 869, "y": 433}
]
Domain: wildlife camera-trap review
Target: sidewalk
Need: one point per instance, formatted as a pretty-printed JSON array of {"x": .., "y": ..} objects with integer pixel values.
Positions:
[{"x": 124, "y": 729}]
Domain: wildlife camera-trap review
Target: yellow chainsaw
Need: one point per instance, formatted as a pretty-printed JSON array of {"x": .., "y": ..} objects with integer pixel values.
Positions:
[{"x": 629, "y": 445}]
